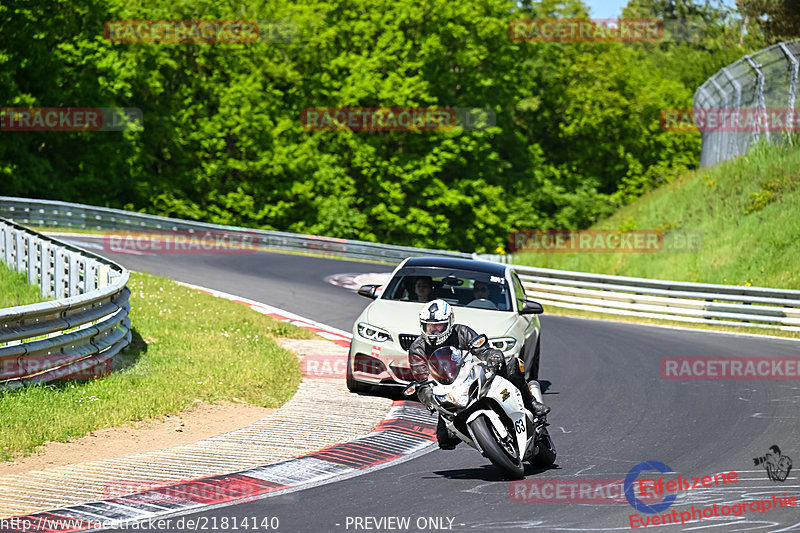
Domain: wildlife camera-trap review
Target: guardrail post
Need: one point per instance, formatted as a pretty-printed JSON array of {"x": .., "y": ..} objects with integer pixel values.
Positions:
[
  {"x": 74, "y": 274},
  {"x": 90, "y": 276},
  {"x": 9, "y": 245},
  {"x": 59, "y": 274},
  {"x": 19, "y": 263},
  {"x": 45, "y": 270},
  {"x": 33, "y": 260},
  {"x": 103, "y": 274}
]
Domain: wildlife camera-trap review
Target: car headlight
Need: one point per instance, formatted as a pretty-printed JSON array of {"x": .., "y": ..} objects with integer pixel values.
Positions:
[
  {"x": 503, "y": 344},
  {"x": 373, "y": 333}
]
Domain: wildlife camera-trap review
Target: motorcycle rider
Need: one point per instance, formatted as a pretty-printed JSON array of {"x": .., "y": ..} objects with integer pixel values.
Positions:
[{"x": 438, "y": 329}]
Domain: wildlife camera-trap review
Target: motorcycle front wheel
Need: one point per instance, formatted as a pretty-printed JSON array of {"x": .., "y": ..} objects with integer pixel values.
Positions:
[
  {"x": 546, "y": 455},
  {"x": 506, "y": 458}
]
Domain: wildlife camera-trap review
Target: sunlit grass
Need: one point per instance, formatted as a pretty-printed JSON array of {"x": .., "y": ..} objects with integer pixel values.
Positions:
[
  {"x": 187, "y": 346},
  {"x": 747, "y": 211},
  {"x": 14, "y": 289}
]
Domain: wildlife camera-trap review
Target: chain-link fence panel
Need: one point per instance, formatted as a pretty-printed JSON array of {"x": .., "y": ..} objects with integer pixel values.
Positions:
[{"x": 755, "y": 98}]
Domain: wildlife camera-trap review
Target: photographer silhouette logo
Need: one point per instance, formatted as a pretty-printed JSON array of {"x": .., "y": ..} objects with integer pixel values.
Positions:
[{"x": 778, "y": 466}]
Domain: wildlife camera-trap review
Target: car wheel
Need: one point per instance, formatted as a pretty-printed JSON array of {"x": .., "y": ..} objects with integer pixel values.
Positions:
[{"x": 352, "y": 384}]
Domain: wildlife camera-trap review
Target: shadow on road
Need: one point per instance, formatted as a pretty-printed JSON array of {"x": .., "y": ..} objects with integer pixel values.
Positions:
[{"x": 488, "y": 472}]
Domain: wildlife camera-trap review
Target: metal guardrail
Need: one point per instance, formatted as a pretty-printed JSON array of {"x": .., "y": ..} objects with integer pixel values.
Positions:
[
  {"x": 761, "y": 81},
  {"x": 728, "y": 305},
  {"x": 77, "y": 216},
  {"x": 77, "y": 335}
]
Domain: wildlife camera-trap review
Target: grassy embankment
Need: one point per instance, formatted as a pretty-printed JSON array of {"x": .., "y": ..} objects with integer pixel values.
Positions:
[
  {"x": 747, "y": 211},
  {"x": 187, "y": 347}
]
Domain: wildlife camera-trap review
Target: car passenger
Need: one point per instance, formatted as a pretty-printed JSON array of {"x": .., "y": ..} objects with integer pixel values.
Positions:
[
  {"x": 423, "y": 289},
  {"x": 480, "y": 290}
]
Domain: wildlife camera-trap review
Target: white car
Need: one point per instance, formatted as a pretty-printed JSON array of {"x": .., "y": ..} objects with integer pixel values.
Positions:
[{"x": 387, "y": 327}]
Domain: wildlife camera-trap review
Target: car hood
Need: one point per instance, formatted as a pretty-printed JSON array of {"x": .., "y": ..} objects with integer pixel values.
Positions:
[{"x": 403, "y": 317}]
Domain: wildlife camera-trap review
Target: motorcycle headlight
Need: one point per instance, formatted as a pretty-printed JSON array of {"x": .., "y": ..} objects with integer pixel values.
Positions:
[
  {"x": 503, "y": 344},
  {"x": 373, "y": 333},
  {"x": 461, "y": 401}
]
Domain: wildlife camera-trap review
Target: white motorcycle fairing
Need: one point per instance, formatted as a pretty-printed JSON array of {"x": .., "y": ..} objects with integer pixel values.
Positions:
[
  {"x": 501, "y": 392},
  {"x": 485, "y": 410}
]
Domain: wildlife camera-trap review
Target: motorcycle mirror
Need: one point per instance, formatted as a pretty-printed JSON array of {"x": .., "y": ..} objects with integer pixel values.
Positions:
[{"x": 479, "y": 343}]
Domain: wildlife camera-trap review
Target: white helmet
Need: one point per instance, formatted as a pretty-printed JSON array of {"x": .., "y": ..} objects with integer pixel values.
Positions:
[{"x": 436, "y": 321}]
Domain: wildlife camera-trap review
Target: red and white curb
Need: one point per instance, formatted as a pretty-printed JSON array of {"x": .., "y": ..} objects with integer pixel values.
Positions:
[
  {"x": 407, "y": 429},
  {"x": 354, "y": 281}
]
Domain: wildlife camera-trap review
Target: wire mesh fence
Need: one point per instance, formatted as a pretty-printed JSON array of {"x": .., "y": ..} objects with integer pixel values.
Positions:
[{"x": 756, "y": 96}]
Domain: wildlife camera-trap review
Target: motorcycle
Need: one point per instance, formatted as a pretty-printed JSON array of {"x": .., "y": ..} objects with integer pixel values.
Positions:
[{"x": 486, "y": 411}]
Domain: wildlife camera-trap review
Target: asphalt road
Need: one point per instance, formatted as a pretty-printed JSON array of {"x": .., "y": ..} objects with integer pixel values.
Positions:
[
  {"x": 611, "y": 411},
  {"x": 292, "y": 282}
]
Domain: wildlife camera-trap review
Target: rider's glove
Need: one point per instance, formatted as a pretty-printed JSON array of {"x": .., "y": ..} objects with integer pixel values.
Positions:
[
  {"x": 425, "y": 395},
  {"x": 495, "y": 362}
]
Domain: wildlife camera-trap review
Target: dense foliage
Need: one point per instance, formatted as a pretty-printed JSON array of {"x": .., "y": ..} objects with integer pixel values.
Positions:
[{"x": 577, "y": 124}]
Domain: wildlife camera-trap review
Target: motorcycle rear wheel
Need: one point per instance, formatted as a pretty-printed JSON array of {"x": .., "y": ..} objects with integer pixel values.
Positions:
[{"x": 497, "y": 454}]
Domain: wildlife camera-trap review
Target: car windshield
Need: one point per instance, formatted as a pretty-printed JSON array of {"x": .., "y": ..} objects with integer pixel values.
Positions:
[
  {"x": 460, "y": 288},
  {"x": 444, "y": 364}
]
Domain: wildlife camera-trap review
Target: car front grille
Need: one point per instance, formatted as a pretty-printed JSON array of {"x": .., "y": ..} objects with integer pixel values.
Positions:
[{"x": 406, "y": 340}]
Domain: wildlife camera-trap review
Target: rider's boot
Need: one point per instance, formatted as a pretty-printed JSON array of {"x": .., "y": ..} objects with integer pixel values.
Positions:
[
  {"x": 538, "y": 408},
  {"x": 530, "y": 392}
]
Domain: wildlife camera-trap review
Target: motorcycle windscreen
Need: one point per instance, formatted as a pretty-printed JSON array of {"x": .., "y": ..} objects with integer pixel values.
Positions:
[{"x": 444, "y": 364}]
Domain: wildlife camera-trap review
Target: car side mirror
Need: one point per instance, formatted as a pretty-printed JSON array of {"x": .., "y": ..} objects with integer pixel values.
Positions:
[
  {"x": 531, "y": 308},
  {"x": 370, "y": 291}
]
